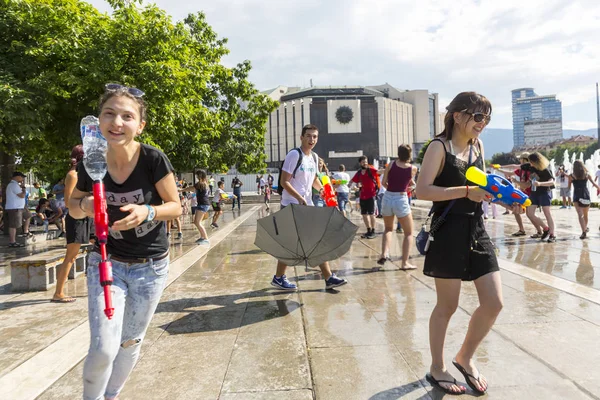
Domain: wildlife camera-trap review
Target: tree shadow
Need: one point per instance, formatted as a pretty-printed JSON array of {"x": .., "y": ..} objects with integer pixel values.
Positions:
[
  {"x": 253, "y": 251},
  {"x": 401, "y": 391},
  {"x": 7, "y": 305},
  {"x": 225, "y": 312}
]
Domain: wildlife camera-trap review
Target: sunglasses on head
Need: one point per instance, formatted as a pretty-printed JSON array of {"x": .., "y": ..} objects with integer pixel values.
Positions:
[
  {"x": 114, "y": 87},
  {"x": 479, "y": 116}
]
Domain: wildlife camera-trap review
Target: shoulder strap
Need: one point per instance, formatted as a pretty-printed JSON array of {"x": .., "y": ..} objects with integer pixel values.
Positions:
[
  {"x": 439, "y": 140},
  {"x": 299, "y": 163}
]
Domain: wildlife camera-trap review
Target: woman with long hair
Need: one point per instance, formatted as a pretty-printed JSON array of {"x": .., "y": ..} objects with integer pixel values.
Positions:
[
  {"x": 78, "y": 231},
  {"x": 462, "y": 250},
  {"x": 201, "y": 213},
  {"x": 581, "y": 195},
  {"x": 542, "y": 182},
  {"x": 141, "y": 196},
  {"x": 397, "y": 178}
]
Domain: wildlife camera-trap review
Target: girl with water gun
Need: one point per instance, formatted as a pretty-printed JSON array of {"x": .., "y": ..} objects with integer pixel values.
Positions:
[{"x": 140, "y": 195}]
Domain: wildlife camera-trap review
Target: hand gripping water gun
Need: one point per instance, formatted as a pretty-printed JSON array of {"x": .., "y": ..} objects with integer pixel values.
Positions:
[
  {"x": 496, "y": 166},
  {"x": 500, "y": 188},
  {"x": 94, "y": 147},
  {"x": 328, "y": 193},
  {"x": 339, "y": 182},
  {"x": 105, "y": 266}
]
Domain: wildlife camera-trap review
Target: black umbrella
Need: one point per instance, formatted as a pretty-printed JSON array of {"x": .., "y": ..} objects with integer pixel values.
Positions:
[{"x": 305, "y": 235}]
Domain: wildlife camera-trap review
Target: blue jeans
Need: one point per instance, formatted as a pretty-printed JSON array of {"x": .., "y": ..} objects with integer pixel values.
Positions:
[
  {"x": 379, "y": 198},
  {"x": 115, "y": 344},
  {"x": 342, "y": 199},
  {"x": 237, "y": 193}
]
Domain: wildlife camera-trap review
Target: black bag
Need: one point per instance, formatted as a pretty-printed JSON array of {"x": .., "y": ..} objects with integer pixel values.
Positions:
[
  {"x": 279, "y": 186},
  {"x": 426, "y": 236}
]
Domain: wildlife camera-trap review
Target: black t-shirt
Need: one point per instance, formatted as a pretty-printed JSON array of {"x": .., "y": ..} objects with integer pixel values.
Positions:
[
  {"x": 236, "y": 183},
  {"x": 148, "y": 239},
  {"x": 543, "y": 176},
  {"x": 202, "y": 196}
]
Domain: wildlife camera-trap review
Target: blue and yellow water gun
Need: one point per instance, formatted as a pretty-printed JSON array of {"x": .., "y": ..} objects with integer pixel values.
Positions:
[{"x": 497, "y": 186}]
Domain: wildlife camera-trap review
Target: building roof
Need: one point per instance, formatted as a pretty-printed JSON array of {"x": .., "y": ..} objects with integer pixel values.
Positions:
[{"x": 325, "y": 91}]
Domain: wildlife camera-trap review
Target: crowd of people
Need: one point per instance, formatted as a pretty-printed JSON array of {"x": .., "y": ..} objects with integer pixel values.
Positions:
[{"x": 152, "y": 199}]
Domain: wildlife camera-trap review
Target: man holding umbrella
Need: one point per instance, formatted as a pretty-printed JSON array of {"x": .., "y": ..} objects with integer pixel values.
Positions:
[{"x": 298, "y": 177}]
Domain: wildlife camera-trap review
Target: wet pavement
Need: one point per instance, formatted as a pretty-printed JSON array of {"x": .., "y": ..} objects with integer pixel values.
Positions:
[{"x": 222, "y": 332}]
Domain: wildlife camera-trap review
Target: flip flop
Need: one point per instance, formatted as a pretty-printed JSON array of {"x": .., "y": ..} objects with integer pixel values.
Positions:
[
  {"x": 407, "y": 269},
  {"x": 436, "y": 383},
  {"x": 64, "y": 300},
  {"x": 468, "y": 377}
]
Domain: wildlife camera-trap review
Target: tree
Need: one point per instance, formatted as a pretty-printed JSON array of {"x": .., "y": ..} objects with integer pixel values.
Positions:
[
  {"x": 421, "y": 154},
  {"x": 504, "y": 159},
  {"x": 58, "y": 54}
]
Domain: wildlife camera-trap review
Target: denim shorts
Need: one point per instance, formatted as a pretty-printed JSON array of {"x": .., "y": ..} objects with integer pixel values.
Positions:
[
  {"x": 203, "y": 208},
  {"x": 395, "y": 204},
  {"x": 540, "y": 198}
]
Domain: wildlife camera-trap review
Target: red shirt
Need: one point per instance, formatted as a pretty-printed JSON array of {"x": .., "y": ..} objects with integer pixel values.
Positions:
[
  {"x": 369, "y": 188},
  {"x": 524, "y": 175}
]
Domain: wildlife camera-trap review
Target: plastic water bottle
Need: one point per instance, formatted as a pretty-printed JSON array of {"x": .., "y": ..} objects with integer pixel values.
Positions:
[
  {"x": 533, "y": 187},
  {"x": 94, "y": 148}
]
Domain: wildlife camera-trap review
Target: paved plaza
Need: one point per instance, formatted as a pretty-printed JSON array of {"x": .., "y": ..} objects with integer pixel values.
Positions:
[{"x": 222, "y": 332}]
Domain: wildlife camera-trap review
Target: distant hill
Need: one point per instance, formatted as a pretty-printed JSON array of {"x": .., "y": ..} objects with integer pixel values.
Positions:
[{"x": 501, "y": 140}]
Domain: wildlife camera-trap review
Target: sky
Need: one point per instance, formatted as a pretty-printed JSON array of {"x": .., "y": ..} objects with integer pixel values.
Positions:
[{"x": 446, "y": 47}]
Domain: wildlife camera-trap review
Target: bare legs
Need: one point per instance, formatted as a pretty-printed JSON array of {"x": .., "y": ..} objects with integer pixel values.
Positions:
[
  {"x": 489, "y": 291},
  {"x": 63, "y": 272},
  {"x": 549, "y": 219},
  {"x": 198, "y": 218},
  {"x": 535, "y": 220},
  {"x": 407, "y": 228},
  {"x": 448, "y": 291},
  {"x": 325, "y": 270},
  {"x": 369, "y": 221},
  {"x": 582, "y": 214}
]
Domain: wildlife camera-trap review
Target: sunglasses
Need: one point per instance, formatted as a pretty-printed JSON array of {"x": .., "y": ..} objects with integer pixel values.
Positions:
[
  {"x": 478, "y": 116},
  {"x": 115, "y": 87}
]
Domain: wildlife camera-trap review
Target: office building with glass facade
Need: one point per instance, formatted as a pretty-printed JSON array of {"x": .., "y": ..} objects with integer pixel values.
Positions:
[{"x": 538, "y": 112}]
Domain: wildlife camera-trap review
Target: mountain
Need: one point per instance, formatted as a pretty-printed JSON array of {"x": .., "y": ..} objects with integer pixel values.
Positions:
[{"x": 501, "y": 140}]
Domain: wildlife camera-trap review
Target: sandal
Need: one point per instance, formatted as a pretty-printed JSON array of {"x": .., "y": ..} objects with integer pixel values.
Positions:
[
  {"x": 536, "y": 235},
  {"x": 67, "y": 299},
  {"x": 468, "y": 378},
  {"x": 381, "y": 261},
  {"x": 436, "y": 383},
  {"x": 519, "y": 233},
  {"x": 15, "y": 244}
]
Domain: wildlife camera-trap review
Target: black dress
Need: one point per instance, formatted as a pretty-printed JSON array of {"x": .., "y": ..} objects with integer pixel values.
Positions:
[
  {"x": 581, "y": 194},
  {"x": 461, "y": 248}
]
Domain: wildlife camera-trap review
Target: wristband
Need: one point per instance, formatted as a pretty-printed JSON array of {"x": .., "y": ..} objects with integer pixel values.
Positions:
[{"x": 467, "y": 195}]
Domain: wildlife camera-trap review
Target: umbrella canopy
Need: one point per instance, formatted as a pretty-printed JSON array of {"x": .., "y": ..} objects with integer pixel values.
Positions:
[{"x": 305, "y": 235}]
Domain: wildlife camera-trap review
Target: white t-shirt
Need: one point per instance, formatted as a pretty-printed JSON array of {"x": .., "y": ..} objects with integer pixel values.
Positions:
[
  {"x": 344, "y": 177},
  {"x": 305, "y": 176},
  {"x": 598, "y": 175},
  {"x": 563, "y": 180},
  {"x": 13, "y": 201}
]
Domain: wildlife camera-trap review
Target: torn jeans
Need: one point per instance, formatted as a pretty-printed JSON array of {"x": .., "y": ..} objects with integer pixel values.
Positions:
[{"x": 115, "y": 344}]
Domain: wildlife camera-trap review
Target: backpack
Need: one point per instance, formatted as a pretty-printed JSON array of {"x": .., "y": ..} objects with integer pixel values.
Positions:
[
  {"x": 314, "y": 155},
  {"x": 375, "y": 178}
]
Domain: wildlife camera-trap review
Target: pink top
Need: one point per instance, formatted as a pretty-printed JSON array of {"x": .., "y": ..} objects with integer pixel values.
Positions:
[{"x": 398, "y": 178}]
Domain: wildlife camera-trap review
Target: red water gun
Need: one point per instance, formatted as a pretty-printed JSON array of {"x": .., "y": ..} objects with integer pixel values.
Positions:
[
  {"x": 328, "y": 192},
  {"x": 105, "y": 266}
]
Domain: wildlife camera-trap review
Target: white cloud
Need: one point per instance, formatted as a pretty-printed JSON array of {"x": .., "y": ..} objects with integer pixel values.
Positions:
[{"x": 489, "y": 46}]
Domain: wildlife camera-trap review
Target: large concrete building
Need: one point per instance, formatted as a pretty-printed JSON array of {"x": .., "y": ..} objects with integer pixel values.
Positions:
[{"x": 352, "y": 121}]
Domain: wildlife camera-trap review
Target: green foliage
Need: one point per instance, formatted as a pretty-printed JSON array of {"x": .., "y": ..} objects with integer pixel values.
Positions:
[
  {"x": 58, "y": 54},
  {"x": 421, "y": 154},
  {"x": 504, "y": 159}
]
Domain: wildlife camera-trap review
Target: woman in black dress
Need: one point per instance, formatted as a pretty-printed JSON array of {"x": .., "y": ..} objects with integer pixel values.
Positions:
[
  {"x": 581, "y": 195},
  {"x": 462, "y": 250}
]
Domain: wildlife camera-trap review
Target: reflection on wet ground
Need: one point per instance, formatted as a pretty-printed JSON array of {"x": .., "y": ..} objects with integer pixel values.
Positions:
[{"x": 222, "y": 332}]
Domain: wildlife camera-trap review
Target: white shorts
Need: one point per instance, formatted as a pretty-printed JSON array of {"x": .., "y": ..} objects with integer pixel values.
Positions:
[{"x": 395, "y": 204}]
